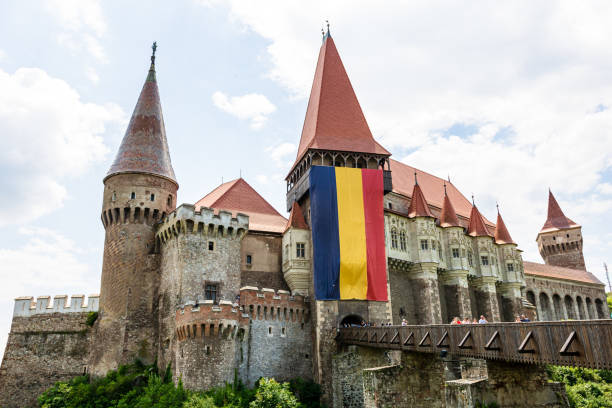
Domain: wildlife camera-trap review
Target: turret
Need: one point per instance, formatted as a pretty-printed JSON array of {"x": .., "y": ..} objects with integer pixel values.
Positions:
[
  {"x": 139, "y": 190},
  {"x": 560, "y": 239},
  {"x": 297, "y": 252}
]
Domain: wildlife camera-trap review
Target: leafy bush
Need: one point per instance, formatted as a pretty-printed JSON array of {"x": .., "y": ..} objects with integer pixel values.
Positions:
[
  {"x": 91, "y": 318},
  {"x": 585, "y": 388},
  {"x": 141, "y": 386}
]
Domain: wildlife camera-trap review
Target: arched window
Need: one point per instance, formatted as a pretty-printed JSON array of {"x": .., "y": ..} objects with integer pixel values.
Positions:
[
  {"x": 393, "y": 238},
  {"x": 170, "y": 200},
  {"x": 403, "y": 245}
]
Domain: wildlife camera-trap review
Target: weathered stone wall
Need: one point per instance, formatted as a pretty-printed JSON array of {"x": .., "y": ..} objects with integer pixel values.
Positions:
[
  {"x": 402, "y": 301},
  {"x": 41, "y": 350},
  {"x": 562, "y": 248},
  {"x": 266, "y": 257}
]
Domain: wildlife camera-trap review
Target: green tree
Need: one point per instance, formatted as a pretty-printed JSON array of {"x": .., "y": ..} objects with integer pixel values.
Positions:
[{"x": 271, "y": 394}]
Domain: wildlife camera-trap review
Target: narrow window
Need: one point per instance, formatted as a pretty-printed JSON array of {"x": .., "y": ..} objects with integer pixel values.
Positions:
[
  {"x": 249, "y": 260},
  {"x": 300, "y": 250},
  {"x": 455, "y": 252},
  {"x": 484, "y": 260},
  {"x": 133, "y": 195},
  {"x": 170, "y": 200},
  {"x": 210, "y": 292},
  {"x": 390, "y": 206},
  {"x": 211, "y": 246},
  {"x": 433, "y": 245},
  {"x": 440, "y": 252},
  {"x": 470, "y": 261},
  {"x": 269, "y": 331},
  {"x": 403, "y": 245},
  {"x": 114, "y": 197},
  {"x": 283, "y": 332},
  {"x": 394, "y": 238},
  {"x": 424, "y": 244},
  {"x": 152, "y": 197}
]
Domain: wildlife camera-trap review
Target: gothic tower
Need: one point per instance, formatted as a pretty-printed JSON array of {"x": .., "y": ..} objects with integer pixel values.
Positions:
[
  {"x": 139, "y": 190},
  {"x": 560, "y": 239}
]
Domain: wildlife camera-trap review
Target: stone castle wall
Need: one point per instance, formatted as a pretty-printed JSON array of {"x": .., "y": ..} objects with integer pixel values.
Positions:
[{"x": 45, "y": 345}]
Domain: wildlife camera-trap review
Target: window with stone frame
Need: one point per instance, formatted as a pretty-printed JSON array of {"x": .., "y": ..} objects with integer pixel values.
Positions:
[
  {"x": 470, "y": 260},
  {"x": 393, "y": 238},
  {"x": 510, "y": 267},
  {"x": 211, "y": 291},
  {"x": 300, "y": 250},
  {"x": 403, "y": 245},
  {"x": 249, "y": 259},
  {"x": 424, "y": 244},
  {"x": 484, "y": 260},
  {"x": 455, "y": 252}
]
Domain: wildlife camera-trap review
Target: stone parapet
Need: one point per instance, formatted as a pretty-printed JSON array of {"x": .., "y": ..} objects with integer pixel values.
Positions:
[
  {"x": 26, "y": 305},
  {"x": 204, "y": 320},
  {"x": 268, "y": 304}
]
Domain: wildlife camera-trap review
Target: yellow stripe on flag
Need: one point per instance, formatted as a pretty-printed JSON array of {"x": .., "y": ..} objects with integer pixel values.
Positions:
[{"x": 351, "y": 229}]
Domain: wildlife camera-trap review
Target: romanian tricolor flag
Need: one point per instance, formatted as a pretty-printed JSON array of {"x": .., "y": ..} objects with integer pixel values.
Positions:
[{"x": 346, "y": 211}]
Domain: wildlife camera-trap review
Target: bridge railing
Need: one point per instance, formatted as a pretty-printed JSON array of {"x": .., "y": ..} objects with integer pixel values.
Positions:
[{"x": 581, "y": 343}]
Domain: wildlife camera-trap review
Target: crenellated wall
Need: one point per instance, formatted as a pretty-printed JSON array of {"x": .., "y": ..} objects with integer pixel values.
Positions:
[{"x": 26, "y": 305}]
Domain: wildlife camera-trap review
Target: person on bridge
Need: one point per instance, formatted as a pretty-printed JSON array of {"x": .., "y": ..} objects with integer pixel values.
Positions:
[
  {"x": 524, "y": 319},
  {"x": 482, "y": 319},
  {"x": 456, "y": 320}
]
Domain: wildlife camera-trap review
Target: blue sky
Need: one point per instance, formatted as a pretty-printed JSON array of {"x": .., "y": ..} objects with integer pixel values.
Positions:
[{"x": 509, "y": 99}]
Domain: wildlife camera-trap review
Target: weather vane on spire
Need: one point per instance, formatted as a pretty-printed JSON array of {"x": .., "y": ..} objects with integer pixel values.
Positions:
[
  {"x": 473, "y": 203},
  {"x": 445, "y": 188},
  {"x": 154, "y": 48},
  {"x": 415, "y": 178},
  {"x": 497, "y": 205}
]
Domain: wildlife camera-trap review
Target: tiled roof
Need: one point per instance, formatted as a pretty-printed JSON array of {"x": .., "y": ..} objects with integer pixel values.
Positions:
[
  {"x": 558, "y": 272},
  {"x": 296, "y": 218},
  {"x": 448, "y": 216},
  {"x": 418, "y": 204},
  {"x": 238, "y": 196},
  {"x": 477, "y": 226},
  {"x": 144, "y": 148},
  {"x": 334, "y": 120},
  {"x": 502, "y": 236},
  {"x": 432, "y": 188},
  {"x": 556, "y": 220}
]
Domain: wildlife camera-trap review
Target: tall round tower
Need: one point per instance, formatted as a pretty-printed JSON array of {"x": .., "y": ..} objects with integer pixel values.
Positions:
[{"x": 139, "y": 190}]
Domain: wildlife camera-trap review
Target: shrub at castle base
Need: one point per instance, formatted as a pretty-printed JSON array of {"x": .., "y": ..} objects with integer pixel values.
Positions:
[{"x": 585, "y": 388}]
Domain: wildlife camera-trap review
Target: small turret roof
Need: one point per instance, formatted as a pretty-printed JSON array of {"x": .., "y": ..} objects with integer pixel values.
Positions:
[
  {"x": 502, "y": 236},
  {"x": 448, "y": 216},
  {"x": 477, "y": 226},
  {"x": 237, "y": 196},
  {"x": 334, "y": 119},
  {"x": 418, "y": 204},
  {"x": 556, "y": 220},
  {"x": 144, "y": 148},
  {"x": 296, "y": 218}
]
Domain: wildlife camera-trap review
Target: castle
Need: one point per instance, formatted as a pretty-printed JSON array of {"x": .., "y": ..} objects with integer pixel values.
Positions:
[{"x": 225, "y": 285}]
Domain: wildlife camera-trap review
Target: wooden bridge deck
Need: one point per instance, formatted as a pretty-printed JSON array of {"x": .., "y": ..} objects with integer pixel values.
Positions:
[{"x": 580, "y": 343}]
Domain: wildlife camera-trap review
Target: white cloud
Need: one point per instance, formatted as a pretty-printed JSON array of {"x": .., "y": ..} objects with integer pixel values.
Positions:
[
  {"x": 47, "y": 264},
  {"x": 82, "y": 23},
  {"x": 2, "y": 54},
  {"x": 530, "y": 78},
  {"x": 92, "y": 75},
  {"x": 49, "y": 135},
  {"x": 253, "y": 107},
  {"x": 282, "y": 154}
]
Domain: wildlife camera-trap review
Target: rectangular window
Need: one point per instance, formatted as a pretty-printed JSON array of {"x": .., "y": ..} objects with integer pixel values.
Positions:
[
  {"x": 424, "y": 244},
  {"x": 210, "y": 292},
  {"x": 390, "y": 206},
  {"x": 152, "y": 197},
  {"x": 211, "y": 246},
  {"x": 510, "y": 267},
  {"x": 133, "y": 195},
  {"x": 455, "y": 252},
  {"x": 300, "y": 250},
  {"x": 484, "y": 260},
  {"x": 249, "y": 260},
  {"x": 470, "y": 261}
]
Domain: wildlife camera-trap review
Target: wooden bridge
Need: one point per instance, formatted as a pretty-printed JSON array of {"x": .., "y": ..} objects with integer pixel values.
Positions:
[{"x": 580, "y": 343}]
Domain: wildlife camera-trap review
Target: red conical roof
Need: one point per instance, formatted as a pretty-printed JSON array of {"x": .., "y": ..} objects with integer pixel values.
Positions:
[
  {"x": 448, "y": 216},
  {"x": 334, "y": 120},
  {"x": 502, "y": 236},
  {"x": 477, "y": 226},
  {"x": 418, "y": 205},
  {"x": 296, "y": 218},
  {"x": 556, "y": 220},
  {"x": 144, "y": 148}
]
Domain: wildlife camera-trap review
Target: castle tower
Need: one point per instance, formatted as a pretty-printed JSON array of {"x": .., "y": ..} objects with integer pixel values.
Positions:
[
  {"x": 296, "y": 252},
  {"x": 509, "y": 264},
  {"x": 335, "y": 133},
  {"x": 139, "y": 190},
  {"x": 560, "y": 239}
]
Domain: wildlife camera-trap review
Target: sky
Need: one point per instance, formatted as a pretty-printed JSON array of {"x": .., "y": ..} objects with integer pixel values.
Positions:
[{"x": 507, "y": 98}]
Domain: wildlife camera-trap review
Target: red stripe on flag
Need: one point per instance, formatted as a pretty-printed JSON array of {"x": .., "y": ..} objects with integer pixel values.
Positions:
[{"x": 375, "y": 233}]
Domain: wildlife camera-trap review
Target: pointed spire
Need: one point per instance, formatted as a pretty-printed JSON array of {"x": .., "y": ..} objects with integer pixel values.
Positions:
[
  {"x": 556, "y": 220},
  {"x": 502, "y": 236},
  {"x": 334, "y": 119},
  {"x": 418, "y": 204},
  {"x": 477, "y": 226},
  {"x": 296, "y": 218},
  {"x": 144, "y": 148},
  {"x": 448, "y": 216}
]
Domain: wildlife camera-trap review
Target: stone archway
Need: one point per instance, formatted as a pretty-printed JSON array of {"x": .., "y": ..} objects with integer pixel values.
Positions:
[
  {"x": 545, "y": 307},
  {"x": 559, "y": 315},
  {"x": 569, "y": 307},
  {"x": 351, "y": 321},
  {"x": 581, "y": 311},
  {"x": 600, "y": 309}
]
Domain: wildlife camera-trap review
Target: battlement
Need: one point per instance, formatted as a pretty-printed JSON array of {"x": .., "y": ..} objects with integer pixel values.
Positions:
[
  {"x": 266, "y": 304},
  {"x": 185, "y": 219},
  {"x": 26, "y": 306},
  {"x": 206, "y": 319}
]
